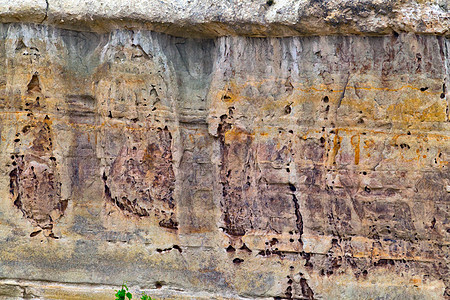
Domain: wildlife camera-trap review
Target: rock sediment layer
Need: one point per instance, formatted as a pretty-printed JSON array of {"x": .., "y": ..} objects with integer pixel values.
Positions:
[
  {"x": 301, "y": 167},
  {"x": 211, "y": 18}
]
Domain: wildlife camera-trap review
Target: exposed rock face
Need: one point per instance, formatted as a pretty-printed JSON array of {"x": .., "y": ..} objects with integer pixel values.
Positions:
[
  {"x": 210, "y": 18},
  {"x": 301, "y": 167}
]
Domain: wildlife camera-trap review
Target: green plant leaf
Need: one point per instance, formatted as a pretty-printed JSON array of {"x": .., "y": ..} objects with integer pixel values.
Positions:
[
  {"x": 120, "y": 294},
  {"x": 145, "y": 296},
  {"x": 129, "y": 295}
]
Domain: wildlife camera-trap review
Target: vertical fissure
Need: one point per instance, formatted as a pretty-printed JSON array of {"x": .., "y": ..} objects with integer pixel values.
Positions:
[{"x": 299, "y": 218}]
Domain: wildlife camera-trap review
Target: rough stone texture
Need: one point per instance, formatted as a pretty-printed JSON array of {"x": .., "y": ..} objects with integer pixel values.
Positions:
[
  {"x": 210, "y": 18},
  {"x": 302, "y": 167}
]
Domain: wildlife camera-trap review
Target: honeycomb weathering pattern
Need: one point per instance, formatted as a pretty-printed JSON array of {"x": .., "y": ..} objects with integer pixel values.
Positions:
[
  {"x": 252, "y": 198},
  {"x": 232, "y": 167},
  {"x": 141, "y": 179},
  {"x": 34, "y": 184}
]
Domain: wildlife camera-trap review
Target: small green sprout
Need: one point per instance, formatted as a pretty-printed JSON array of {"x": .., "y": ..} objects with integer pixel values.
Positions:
[
  {"x": 145, "y": 296},
  {"x": 123, "y": 292}
]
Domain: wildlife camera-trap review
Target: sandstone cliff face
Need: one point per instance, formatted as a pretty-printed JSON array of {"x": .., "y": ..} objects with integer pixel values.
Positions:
[
  {"x": 233, "y": 167},
  {"x": 211, "y": 18}
]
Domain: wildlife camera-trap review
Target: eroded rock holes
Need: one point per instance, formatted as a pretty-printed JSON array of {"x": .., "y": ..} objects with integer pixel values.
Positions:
[{"x": 141, "y": 179}]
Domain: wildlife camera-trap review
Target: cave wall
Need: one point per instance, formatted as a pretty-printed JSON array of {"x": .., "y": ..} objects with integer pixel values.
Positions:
[{"x": 302, "y": 167}]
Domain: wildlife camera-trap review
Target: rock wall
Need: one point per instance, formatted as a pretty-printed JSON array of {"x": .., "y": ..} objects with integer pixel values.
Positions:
[
  {"x": 225, "y": 167},
  {"x": 262, "y": 18}
]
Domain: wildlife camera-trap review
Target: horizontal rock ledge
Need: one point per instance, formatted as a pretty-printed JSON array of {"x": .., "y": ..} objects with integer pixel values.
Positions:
[{"x": 256, "y": 18}]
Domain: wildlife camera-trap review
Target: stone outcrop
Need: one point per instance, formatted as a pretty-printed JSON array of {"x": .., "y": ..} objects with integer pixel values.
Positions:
[
  {"x": 212, "y": 18},
  {"x": 203, "y": 162}
]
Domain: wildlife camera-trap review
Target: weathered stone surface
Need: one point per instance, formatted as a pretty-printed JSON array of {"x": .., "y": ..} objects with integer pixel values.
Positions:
[
  {"x": 209, "y": 18},
  {"x": 308, "y": 167},
  {"x": 141, "y": 180}
]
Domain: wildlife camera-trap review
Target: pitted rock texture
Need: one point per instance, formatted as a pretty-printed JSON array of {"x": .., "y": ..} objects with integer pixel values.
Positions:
[
  {"x": 254, "y": 196},
  {"x": 141, "y": 180},
  {"x": 307, "y": 167},
  {"x": 34, "y": 184}
]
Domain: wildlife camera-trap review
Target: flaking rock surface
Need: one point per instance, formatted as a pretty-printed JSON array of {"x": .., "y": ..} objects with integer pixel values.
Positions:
[{"x": 233, "y": 167}]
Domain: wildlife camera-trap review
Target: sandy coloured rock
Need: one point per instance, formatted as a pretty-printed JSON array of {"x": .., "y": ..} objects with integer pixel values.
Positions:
[{"x": 297, "y": 150}]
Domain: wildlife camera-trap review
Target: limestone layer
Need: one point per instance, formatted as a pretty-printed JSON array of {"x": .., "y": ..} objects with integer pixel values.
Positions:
[{"x": 210, "y": 18}]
